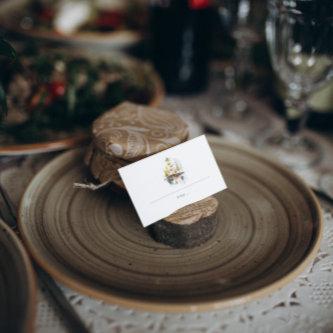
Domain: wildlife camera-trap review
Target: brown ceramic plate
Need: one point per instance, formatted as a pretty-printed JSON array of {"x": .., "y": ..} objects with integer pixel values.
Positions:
[
  {"x": 11, "y": 12},
  {"x": 17, "y": 284},
  {"x": 269, "y": 230}
]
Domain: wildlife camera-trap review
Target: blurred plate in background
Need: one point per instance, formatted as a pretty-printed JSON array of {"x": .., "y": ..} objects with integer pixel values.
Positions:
[
  {"x": 49, "y": 127},
  {"x": 13, "y": 13}
]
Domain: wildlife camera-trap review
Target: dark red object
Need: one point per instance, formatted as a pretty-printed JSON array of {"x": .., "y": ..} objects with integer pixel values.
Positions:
[
  {"x": 57, "y": 88},
  {"x": 199, "y": 4},
  {"x": 46, "y": 14},
  {"x": 181, "y": 33},
  {"x": 109, "y": 19}
]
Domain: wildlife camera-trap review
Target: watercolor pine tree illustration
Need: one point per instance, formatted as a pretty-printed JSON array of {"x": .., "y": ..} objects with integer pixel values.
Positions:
[{"x": 173, "y": 171}]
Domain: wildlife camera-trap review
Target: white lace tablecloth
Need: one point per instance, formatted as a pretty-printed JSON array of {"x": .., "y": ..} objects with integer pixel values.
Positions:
[{"x": 305, "y": 305}]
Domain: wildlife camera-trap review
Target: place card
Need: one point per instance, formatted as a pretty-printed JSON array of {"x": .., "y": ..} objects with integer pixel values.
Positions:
[{"x": 176, "y": 177}]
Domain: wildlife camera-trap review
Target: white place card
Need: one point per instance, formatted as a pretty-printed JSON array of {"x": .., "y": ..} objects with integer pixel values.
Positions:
[{"x": 176, "y": 177}]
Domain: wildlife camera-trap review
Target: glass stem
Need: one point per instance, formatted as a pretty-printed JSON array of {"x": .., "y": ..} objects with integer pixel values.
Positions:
[
  {"x": 242, "y": 60},
  {"x": 235, "y": 74},
  {"x": 297, "y": 114}
]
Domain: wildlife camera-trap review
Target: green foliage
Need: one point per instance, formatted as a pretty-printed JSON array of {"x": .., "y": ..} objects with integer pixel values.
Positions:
[
  {"x": 89, "y": 88},
  {"x": 6, "y": 49}
]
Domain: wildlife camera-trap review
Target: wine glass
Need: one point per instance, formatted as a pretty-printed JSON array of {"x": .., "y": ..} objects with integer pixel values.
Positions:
[
  {"x": 299, "y": 35},
  {"x": 242, "y": 18}
]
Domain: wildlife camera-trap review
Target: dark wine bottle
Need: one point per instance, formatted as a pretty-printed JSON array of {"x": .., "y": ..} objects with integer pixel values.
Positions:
[{"x": 181, "y": 42}]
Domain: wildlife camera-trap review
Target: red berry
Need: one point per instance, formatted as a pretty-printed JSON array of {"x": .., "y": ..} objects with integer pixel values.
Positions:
[
  {"x": 199, "y": 4},
  {"x": 57, "y": 88}
]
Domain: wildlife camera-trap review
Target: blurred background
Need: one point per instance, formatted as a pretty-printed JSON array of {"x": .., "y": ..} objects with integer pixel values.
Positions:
[
  {"x": 255, "y": 72},
  {"x": 65, "y": 62}
]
